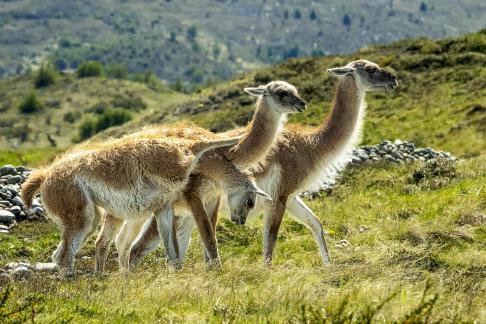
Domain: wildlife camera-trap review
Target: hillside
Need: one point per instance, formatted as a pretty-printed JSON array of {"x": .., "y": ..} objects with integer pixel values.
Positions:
[
  {"x": 440, "y": 101},
  {"x": 202, "y": 41},
  {"x": 68, "y": 104}
]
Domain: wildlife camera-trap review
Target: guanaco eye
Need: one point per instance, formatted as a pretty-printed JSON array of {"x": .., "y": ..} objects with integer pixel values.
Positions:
[
  {"x": 371, "y": 70},
  {"x": 281, "y": 94},
  {"x": 250, "y": 203}
]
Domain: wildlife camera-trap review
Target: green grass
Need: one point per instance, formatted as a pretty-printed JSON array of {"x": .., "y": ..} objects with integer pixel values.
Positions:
[{"x": 415, "y": 252}]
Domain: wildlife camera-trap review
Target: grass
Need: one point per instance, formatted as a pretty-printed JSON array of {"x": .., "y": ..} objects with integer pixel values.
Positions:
[{"x": 416, "y": 253}]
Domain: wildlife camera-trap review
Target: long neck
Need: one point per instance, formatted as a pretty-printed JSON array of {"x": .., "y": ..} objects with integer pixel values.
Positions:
[
  {"x": 343, "y": 126},
  {"x": 260, "y": 136}
]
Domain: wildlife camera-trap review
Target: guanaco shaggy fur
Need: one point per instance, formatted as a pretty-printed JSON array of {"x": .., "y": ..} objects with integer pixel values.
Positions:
[
  {"x": 201, "y": 197},
  {"x": 130, "y": 177},
  {"x": 302, "y": 158}
]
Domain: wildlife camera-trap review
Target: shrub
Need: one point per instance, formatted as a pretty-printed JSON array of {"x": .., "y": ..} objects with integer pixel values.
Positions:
[
  {"x": 45, "y": 76},
  {"x": 30, "y": 104},
  {"x": 129, "y": 102},
  {"x": 117, "y": 71},
  {"x": 70, "y": 117},
  {"x": 90, "y": 69},
  {"x": 109, "y": 118},
  {"x": 434, "y": 174}
]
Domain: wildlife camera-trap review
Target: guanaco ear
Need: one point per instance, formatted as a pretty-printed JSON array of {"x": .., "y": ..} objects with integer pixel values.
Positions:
[
  {"x": 258, "y": 191},
  {"x": 338, "y": 71},
  {"x": 257, "y": 91}
]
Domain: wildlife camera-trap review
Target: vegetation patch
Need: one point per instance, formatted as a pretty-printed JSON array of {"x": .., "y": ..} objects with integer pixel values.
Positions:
[
  {"x": 90, "y": 69},
  {"x": 31, "y": 104},
  {"x": 107, "y": 119}
]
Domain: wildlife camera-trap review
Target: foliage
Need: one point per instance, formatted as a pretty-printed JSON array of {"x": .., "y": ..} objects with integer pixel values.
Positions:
[
  {"x": 109, "y": 118},
  {"x": 90, "y": 69},
  {"x": 45, "y": 76},
  {"x": 31, "y": 104}
]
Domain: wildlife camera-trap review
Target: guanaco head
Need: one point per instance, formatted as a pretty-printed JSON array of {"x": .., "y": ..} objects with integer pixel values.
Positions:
[
  {"x": 368, "y": 75},
  {"x": 281, "y": 96},
  {"x": 242, "y": 199}
]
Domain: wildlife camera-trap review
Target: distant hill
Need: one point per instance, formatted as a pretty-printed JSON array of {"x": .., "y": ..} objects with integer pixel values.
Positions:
[{"x": 199, "y": 41}]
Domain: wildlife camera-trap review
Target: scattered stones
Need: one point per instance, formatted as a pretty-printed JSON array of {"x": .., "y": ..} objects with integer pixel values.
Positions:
[
  {"x": 11, "y": 179},
  {"x": 397, "y": 152},
  {"x": 21, "y": 270}
]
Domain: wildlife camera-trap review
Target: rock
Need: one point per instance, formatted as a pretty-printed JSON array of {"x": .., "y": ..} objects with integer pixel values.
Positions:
[
  {"x": 7, "y": 169},
  {"x": 21, "y": 169},
  {"x": 21, "y": 272},
  {"x": 5, "y": 203},
  {"x": 45, "y": 267},
  {"x": 6, "y": 217},
  {"x": 37, "y": 210},
  {"x": 16, "y": 210},
  {"x": 12, "y": 265},
  {"x": 17, "y": 201},
  {"x": 15, "y": 179}
]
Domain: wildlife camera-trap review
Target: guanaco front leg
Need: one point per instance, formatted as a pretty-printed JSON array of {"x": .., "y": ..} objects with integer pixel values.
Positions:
[
  {"x": 272, "y": 221},
  {"x": 206, "y": 231},
  {"x": 303, "y": 214}
]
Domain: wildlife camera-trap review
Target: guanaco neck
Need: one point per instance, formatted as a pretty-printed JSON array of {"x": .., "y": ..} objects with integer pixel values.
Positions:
[
  {"x": 343, "y": 125},
  {"x": 260, "y": 136},
  {"x": 217, "y": 167}
]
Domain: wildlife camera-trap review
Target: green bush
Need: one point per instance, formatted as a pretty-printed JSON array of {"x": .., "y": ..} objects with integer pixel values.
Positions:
[
  {"x": 117, "y": 71},
  {"x": 30, "y": 104},
  {"x": 90, "y": 69},
  {"x": 45, "y": 76},
  {"x": 109, "y": 118},
  {"x": 129, "y": 102}
]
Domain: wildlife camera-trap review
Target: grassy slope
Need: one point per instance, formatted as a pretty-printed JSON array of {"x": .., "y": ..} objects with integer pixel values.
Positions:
[
  {"x": 400, "y": 236},
  {"x": 70, "y": 95}
]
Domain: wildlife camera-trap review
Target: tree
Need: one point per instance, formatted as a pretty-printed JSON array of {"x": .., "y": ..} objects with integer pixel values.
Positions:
[
  {"x": 45, "y": 76},
  {"x": 31, "y": 104},
  {"x": 347, "y": 21},
  {"x": 192, "y": 33},
  {"x": 297, "y": 14},
  {"x": 423, "y": 7},
  {"x": 173, "y": 36},
  {"x": 313, "y": 15},
  {"x": 286, "y": 14}
]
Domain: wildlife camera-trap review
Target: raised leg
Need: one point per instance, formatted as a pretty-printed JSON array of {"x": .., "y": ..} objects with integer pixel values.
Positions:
[
  {"x": 303, "y": 214},
  {"x": 272, "y": 221},
  {"x": 125, "y": 238},
  {"x": 146, "y": 242},
  {"x": 111, "y": 226}
]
